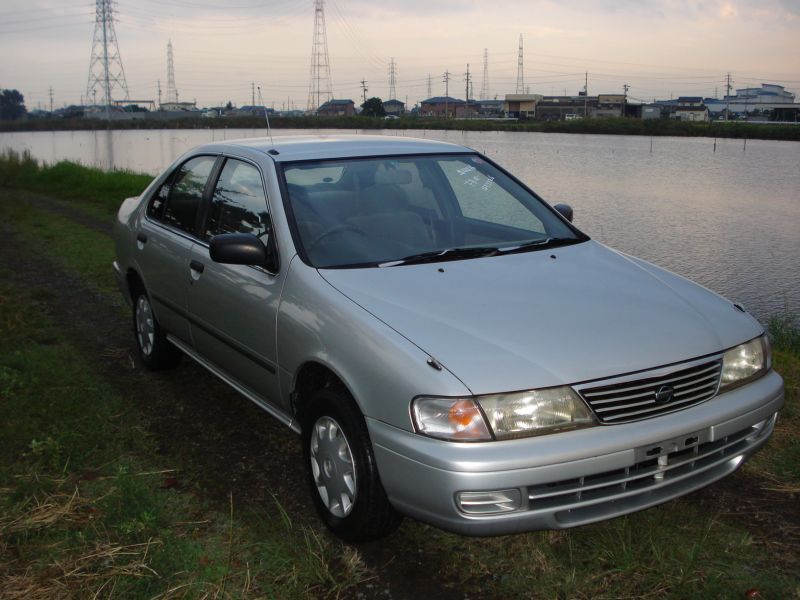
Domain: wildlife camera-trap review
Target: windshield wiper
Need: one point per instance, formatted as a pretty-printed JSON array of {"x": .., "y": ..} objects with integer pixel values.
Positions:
[
  {"x": 550, "y": 242},
  {"x": 442, "y": 255}
]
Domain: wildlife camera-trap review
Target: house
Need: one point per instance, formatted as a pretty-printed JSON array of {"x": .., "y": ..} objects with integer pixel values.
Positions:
[
  {"x": 610, "y": 105},
  {"x": 442, "y": 106},
  {"x": 490, "y": 108},
  {"x": 394, "y": 108},
  {"x": 556, "y": 108},
  {"x": 690, "y": 108},
  {"x": 337, "y": 108},
  {"x": 651, "y": 111},
  {"x": 521, "y": 106}
]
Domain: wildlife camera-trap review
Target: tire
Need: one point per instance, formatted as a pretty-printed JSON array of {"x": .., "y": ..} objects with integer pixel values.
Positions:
[
  {"x": 155, "y": 352},
  {"x": 341, "y": 469}
]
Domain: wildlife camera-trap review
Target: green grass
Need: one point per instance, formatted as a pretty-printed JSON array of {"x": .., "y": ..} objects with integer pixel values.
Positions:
[
  {"x": 87, "y": 507},
  {"x": 78, "y": 250},
  {"x": 93, "y": 190}
]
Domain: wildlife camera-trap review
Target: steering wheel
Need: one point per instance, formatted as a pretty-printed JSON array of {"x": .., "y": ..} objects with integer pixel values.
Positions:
[{"x": 337, "y": 230}]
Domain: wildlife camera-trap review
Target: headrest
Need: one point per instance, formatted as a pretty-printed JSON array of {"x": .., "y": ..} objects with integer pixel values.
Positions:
[{"x": 393, "y": 176}]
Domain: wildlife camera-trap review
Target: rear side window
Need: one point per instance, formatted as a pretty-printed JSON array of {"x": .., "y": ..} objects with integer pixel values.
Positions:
[
  {"x": 186, "y": 193},
  {"x": 239, "y": 204}
]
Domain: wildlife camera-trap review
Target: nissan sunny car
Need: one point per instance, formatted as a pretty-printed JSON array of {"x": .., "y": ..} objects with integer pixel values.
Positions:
[{"x": 447, "y": 345}]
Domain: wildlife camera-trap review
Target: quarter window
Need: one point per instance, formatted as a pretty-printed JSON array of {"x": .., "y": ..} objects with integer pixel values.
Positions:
[
  {"x": 239, "y": 204},
  {"x": 186, "y": 194}
]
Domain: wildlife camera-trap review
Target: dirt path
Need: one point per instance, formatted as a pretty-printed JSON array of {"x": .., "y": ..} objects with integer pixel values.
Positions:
[{"x": 227, "y": 445}]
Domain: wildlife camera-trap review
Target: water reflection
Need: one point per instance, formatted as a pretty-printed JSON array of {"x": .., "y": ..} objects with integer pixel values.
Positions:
[{"x": 727, "y": 217}]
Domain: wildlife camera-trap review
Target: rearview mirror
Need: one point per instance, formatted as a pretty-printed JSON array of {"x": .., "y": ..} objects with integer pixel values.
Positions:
[
  {"x": 241, "y": 249},
  {"x": 565, "y": 210}
]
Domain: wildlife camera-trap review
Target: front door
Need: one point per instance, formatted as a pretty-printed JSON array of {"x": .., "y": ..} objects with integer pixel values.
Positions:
[{"x": 233, "y": 307}]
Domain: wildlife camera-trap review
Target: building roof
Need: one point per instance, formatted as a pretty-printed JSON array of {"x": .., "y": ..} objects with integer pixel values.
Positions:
[
  {"x": 385, "y": 102},
  {"x": 689, "y": 99},
  {"x": 442, "y": 100},
  {"x": 321, "y": 147},
  {"x": 337, "y": 103}
]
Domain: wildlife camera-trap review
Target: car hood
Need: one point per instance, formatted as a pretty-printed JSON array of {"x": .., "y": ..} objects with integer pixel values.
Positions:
[{"x": 548, "y": 317}]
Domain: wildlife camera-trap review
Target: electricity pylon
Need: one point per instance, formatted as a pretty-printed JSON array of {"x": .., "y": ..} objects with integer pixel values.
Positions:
[
  {"x": 105, "y": 65},
  {"x": 319, "y": 88}
]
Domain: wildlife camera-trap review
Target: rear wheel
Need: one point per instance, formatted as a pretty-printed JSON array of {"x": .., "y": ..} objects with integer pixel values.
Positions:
[
  {"x": 154, "y": 350},
  {"x": 341, "y": 469}
]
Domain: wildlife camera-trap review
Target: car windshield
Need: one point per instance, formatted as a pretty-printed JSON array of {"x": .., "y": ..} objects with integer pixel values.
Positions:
[{"x": 394, "y": 211}]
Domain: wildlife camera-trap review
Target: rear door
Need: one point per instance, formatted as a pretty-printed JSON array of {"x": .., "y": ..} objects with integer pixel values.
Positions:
[
  {"x": 165, "y": 238},
  {"x": 233, "y": 307}
]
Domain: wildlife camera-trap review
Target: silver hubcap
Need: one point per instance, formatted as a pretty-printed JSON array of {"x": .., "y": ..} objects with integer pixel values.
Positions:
[
  {"x": 145, "y": 326},
  {"x": 333, "y": 467}
]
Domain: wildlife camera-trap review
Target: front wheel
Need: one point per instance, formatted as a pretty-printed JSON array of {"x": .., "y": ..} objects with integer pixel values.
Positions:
[
  {"x": 341, "y": 469},
  {"x": 154, "y": 350}
]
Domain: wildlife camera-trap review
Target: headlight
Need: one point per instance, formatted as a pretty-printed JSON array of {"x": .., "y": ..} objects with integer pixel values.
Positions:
[
  {"x": 745, "y": 362},
  {"x": 535, "y": 412},
  {"x": 501, "y": 416}
]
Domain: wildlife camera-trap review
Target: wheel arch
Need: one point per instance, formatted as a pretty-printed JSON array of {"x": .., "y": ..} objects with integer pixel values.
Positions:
[{"x": 312, "y": 376}]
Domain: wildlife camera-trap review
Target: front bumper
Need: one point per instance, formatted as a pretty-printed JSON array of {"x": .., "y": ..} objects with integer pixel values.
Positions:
[{"x": 577, "y": 477}]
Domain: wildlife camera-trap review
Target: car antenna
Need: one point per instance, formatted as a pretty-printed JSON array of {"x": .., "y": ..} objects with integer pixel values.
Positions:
[{"x": 266, "y": 115}]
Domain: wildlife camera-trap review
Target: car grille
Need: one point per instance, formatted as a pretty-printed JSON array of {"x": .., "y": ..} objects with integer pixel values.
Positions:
[
  {"x": 649, "y": 481},
  {"x": 647, "y": 397}
]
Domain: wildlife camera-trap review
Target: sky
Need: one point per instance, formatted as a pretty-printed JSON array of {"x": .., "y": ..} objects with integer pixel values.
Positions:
[{"x": 660, "y": 48}]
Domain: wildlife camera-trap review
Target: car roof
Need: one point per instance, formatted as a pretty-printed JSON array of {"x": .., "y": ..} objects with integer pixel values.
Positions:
[{"x": 320, "y": 147}]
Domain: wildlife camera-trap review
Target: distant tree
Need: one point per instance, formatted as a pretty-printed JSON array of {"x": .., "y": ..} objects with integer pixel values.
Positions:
[
  {"x": 229, "y": 105},
  {"x": 373, "y": 108},
  {"x": 12, "y": 105}
]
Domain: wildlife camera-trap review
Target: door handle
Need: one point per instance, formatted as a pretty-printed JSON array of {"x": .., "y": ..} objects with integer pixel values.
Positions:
[
  {"x": 140, "y": 237},
  {"x": 197, "y": 266}
]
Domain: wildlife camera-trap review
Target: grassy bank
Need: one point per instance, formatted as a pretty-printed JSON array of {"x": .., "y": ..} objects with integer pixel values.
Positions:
[
  {"x": 93, "y": 189},
  {"x": 93, "y": 506},
  {"x": 606, "y": 126}
]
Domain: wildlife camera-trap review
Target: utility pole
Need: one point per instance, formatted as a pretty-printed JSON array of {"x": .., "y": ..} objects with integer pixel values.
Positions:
[
  {"x": 728, "y": 99},
  {"x": 364, "y": 88},
  {"x": 51, "y": 100},
  {"x": 446, "y": 79},
  {"x": 158, "y": 85},
  {"x": 586, "y": 96},
  {"x": 520, "y": 70},
  {"x": 466, "y": 91},
  {"x": 626, "y": 87},
  {"x": 253, "y": 93},
  {"x": 429, "y": 86},
  {"x": 485, "y": 82}
]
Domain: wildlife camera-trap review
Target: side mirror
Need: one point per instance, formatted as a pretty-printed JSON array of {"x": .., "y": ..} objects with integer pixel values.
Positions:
[
  {"x": 565, "y": 210},
  {"x": 241, "y": 249}
]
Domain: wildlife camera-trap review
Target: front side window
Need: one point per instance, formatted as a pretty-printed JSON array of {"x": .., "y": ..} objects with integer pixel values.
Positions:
[
  {"x": 402, "y": 210},
  {"x": 238, "y": 204},
  {"x": 186, "y": 193}
]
